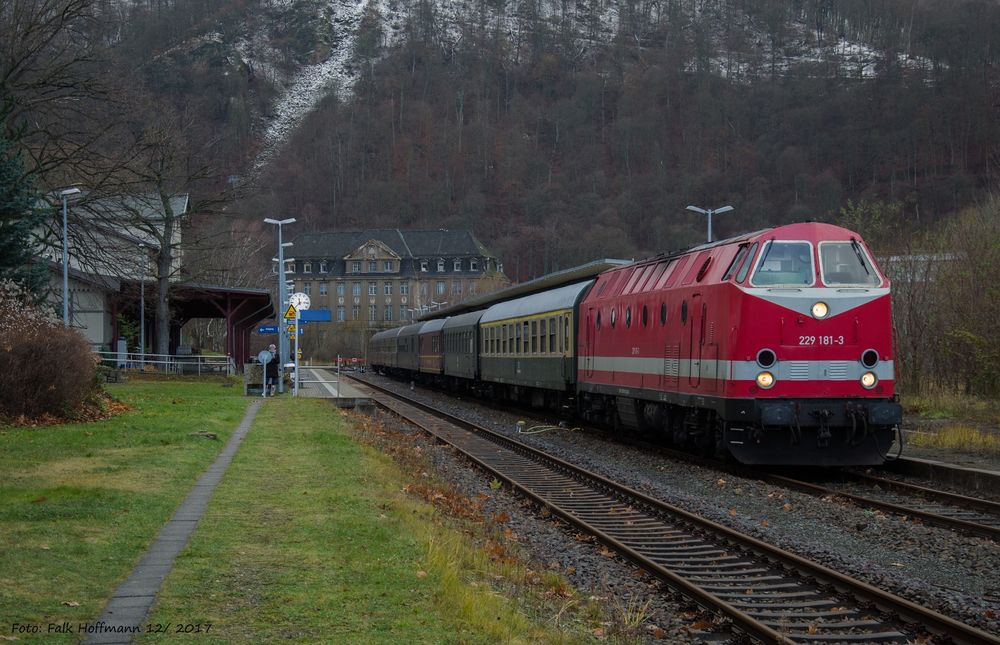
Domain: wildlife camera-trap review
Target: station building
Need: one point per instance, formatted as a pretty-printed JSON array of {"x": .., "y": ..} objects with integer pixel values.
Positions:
[{"x": 381, "y": 277}]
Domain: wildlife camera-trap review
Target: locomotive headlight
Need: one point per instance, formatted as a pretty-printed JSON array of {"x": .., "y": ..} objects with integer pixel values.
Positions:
[
  {"x": 868, "y": 380},
  {"x": 820, "y": 310},
  {"x": 765, "y": 380}
]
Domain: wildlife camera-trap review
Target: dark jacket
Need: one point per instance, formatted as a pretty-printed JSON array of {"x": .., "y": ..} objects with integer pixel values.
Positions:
[{"x": 272, "y": 366}]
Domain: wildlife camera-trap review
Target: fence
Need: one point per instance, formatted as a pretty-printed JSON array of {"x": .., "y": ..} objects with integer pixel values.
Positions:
[{"x": 168, "y": 363}]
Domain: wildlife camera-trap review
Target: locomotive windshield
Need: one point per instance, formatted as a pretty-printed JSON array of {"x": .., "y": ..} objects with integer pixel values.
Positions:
[
  {"x": 784, "y": 263},
  {"x": 846, "y": 264}
]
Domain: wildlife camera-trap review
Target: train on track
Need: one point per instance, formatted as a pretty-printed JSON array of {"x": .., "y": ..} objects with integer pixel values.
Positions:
[{"x": 774, "y": 347}]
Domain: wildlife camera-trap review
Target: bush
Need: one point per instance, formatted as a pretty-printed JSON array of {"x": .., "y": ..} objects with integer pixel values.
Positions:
[{"x": 44, "y": 367}]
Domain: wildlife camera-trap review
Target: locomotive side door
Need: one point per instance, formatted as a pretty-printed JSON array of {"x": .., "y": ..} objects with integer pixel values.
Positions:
[
  {"x": 694, "y": 339},
  {"x": 588, "y": 347}
]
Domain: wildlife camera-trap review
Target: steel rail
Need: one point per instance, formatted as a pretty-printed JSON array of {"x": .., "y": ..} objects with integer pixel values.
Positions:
[
  {"x": 630, "y": 500},
  {"x": 931, "y": 517}
]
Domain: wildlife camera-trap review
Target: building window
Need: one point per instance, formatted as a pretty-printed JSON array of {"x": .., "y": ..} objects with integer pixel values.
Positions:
[
  {"x": 404, "y": 288},
  {"x": 402, "y": 312},
  {"x": 372, "y": 288},
  {"x": 457, "y": 264},
  {"x": 340, "y": 289},
  {"x": 307, "y": 267},
  {"x": 356, "y": 288},
  {"x": 387, "y": 266},
  {"x": 323, "y": 287},
  {"x": 440, "y": 265},
  {"x": 472, "y": 287},
  {"x": 289, "y": 267},
  {"x": 473, "y": 264},
  {"x": 423, "y": 265},
  {"x": 373, "y": 313},
  {"x": 440, "y": 288},
  {"x": 424, "y": 290},
  {"x": 387, "y": 313},
  {"x": 340, "y": 313},
  {"x": 355, "y": 312},
  {"x": 356, "y": 266},
  {"x": 372, "y": 266},
  {"x": 307, "y": 288},
  {"x": 387, "y": 290},
  {"x": 456, "y": 287},
  {"x": 323, "y": 267}
]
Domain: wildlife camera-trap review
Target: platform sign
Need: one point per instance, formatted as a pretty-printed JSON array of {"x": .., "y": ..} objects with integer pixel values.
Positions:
[
  {"x": 290, "y": 312},
  {"x": 315, "y": 315},
  {"x": 267, "y": 329}
]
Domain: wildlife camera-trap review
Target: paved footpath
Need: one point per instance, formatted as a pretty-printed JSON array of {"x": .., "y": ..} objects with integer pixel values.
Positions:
[{"x": 126, "y": 612}]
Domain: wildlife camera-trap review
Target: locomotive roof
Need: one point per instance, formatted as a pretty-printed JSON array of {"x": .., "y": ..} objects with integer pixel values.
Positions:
[{"x": 561, "y": 298}]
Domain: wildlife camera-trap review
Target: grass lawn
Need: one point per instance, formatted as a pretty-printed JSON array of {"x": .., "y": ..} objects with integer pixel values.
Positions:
[
  {"x": 310, "y": 537},
  {"x": 80, "y": 503}
]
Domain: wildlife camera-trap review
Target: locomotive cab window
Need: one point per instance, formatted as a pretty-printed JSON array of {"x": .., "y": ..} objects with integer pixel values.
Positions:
[
  {"x": 846, "y": 264},
  {"x": 784, "y": 264}
]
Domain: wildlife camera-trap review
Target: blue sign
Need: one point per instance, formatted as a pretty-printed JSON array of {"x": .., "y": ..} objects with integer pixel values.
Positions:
[
  {"x": 267, "y": 329},
  {"x": 315, "y": 315}
]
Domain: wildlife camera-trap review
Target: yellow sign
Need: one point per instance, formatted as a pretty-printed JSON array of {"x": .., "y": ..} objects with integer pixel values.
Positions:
[
  {"x": 290, "y": 312},
  {"x": 291, "y": 337},
  {"x": 290, "y": 329}
]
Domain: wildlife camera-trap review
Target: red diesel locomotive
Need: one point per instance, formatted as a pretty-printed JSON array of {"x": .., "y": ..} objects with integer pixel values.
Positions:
[{"x": 775, "y": 347}]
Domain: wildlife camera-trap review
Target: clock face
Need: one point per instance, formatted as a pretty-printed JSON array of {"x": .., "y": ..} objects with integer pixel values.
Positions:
[{"x": 299, "y": 300}]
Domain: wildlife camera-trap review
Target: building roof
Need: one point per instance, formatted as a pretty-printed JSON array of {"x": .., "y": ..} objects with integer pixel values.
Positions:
[{"x": 406, "y": 244}]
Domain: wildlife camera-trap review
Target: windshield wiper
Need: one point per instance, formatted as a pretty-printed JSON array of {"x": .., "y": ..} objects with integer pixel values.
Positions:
[{"x": 861, "y": 257}]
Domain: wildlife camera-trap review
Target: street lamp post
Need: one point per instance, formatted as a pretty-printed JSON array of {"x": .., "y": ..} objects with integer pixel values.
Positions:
[
  {"x": 142, "y": 306},
  {"x": 65, "y": 259},
  {"x": 710, "y": 212},
  {"x": 282, "y": 297}
]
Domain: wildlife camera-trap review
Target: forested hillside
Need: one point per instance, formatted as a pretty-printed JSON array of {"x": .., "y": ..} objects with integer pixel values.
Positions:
[
  {"x": 557, "y": 146},
  {"x": 559, "y": 132}
]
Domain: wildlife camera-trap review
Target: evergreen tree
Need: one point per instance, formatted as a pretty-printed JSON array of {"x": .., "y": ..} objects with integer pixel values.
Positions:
[{"x": 18, "y": 218}]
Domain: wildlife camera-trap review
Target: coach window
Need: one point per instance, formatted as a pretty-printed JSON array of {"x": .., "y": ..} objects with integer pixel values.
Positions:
[
  {"x": 614, "y": 317},
  {"x": 663, "y": 314},
  {"x": 552, "y": 335},
  {"x": 534, "y": 336},
  {"x": 597, "y": 324},
  {"x": 645, "y": 316},
  {"x": 569, "y": 337},
  {"x": 628, "y": 317}
]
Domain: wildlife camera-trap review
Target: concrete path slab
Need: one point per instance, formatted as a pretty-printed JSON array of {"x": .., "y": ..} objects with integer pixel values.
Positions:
[{"x": 125, "y": 614}]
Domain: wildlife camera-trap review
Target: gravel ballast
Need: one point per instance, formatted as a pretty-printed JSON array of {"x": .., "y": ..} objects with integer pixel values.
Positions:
[{"x": 938, "y": 568}]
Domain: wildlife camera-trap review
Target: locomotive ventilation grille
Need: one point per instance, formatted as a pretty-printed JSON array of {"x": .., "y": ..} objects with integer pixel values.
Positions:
[{"x": 798, "y": 371}]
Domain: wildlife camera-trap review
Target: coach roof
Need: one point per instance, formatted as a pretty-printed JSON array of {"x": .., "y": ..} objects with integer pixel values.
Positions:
[{"x": 554, "y": 300}]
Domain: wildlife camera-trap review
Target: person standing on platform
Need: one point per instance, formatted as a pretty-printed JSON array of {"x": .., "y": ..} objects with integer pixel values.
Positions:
[{"x": 272, "y": 369}]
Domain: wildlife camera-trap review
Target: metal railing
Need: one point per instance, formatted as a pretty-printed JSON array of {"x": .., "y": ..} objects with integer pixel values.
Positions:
[{"x": 169, "y": 363}]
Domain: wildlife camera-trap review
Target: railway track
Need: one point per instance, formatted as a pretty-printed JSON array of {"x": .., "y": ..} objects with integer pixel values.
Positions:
[
  {"x": 767, "y": 593},
  {"x": 970, "y": 515}
]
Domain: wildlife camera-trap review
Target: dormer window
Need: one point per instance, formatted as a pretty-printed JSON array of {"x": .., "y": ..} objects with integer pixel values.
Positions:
[
  {"x": 356, "y": 266},
  {"x": 423, "y": 265},
  {"x": 473, "y": 264},
  {"x": 307, "y": 267},
  {"x": 290, "y": 267},
  {"x": 274, "y": 268},
  {"x": 323, "y": 268},
  {"x": 458, "y": 265},
  {"x": 440, "y": 265},
  {"x": 372, "y": 266},
  {"x": 387, "y": 266}
]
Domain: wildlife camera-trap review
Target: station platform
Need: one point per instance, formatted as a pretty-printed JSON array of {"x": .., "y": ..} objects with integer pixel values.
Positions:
[{"x": 319, "y": 382}]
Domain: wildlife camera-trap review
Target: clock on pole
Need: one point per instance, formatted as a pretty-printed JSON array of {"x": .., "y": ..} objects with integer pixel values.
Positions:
[{"x": 299, "y": 300}]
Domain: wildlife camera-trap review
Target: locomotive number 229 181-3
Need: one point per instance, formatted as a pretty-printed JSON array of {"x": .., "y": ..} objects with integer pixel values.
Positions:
[{"x": 821, "y": 340}]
